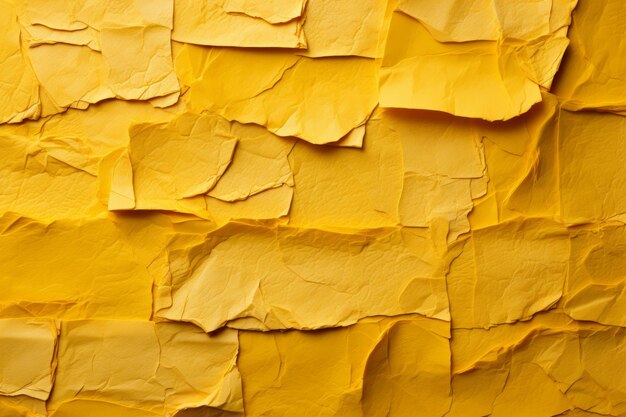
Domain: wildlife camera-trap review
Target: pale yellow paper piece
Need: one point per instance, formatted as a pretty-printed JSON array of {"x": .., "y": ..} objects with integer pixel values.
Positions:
[
  {"x": 508, "y": 272},
  {"x": 147, "y": 366},
  {"x": 535, "y": 30},
  {"x": 338, "y": 28},
  {"x": 229, "y": 170},
  {"x": 455, "y": 20},
  {"x": 27, "y": 357},
  {"x": 259, "y": 164},
  {"x": 239, "y": 23},
  {"x": 168, "y": 164},
  {"x": 521, "y": 164},
  {"x": 282, "y": 91},
  {"x": 273, "y": 203},
  {"x": 349, "y": 371},
  {"x": 277, "y": 278},
  {"x": 129, "y": 57}
]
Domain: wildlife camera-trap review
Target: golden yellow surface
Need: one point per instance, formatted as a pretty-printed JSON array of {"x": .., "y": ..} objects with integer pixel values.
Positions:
[{"x": 312, "y": 208}]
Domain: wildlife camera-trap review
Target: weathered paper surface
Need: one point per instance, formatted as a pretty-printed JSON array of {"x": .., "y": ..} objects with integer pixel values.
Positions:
[{"x": 288, "y": 208}]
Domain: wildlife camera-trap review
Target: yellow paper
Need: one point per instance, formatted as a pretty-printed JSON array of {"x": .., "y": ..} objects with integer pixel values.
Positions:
[
  {"x": 282, "y": 91},
  {"x": 437, "y": 60},
  {"x": 146, "y": 366},
  {"x": 67, "y": 271},
  {"x": 278, "y": 208},
  {"x": 27, "y": 357},
  {"x": 19, "y": 92},
  {"x": 277, "y": 278},
  {"x": 337, "y": 28},
  {"x": 593, "y": 74},
  {"x": 240, "y": 23},
  {"x": 346, "y": 371},
  {"x": 485, "y": 291},
  {"x": 130, "y": 59},
  {"x": 560, "y": 364}
]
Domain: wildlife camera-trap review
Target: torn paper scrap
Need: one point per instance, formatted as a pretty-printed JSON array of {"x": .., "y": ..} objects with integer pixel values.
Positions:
[
  {"x": 273, "y": 204},
  {"x": 519, "y": 155},
  {"x": 170, "y": 162},
  {"x": 27, "y": 357},
  {"x": 147, "y": 366},
  {"x": 591, "y": 171},
  {"x": 260, "y": 163},
  {"x": 287, "y": 93},
  {"x": 464, "y": 79},
  {"x": 442, "y": 157},
  {"x": 284, "y": 277},
  {"x": 48, "y": 178},
  {"x": 203, "y": 165},
  {"x": 240, "y": 23},
  {"x": 337, "y": 28},
  {"x": 129, "y": 58},
  {"x": 476, "y": 59}
]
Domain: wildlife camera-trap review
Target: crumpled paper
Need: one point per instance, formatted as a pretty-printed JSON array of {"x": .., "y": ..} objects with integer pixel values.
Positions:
[
  {"x": 146, "y": 366},
  {"x": 314, "y": 207},
  {"x": 436, "y": 59},
  {"x": 258, "y": 277},
  {"x": 94, "y": 50},
  {"x": 348, "y": 371}
]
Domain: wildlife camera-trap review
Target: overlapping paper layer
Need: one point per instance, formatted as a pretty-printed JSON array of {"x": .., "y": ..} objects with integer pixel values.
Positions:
[{"x": 281, "y": 208}]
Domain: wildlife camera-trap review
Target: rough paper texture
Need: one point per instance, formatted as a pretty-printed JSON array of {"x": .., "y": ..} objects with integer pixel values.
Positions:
[{"x": 312, "y": 208}]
